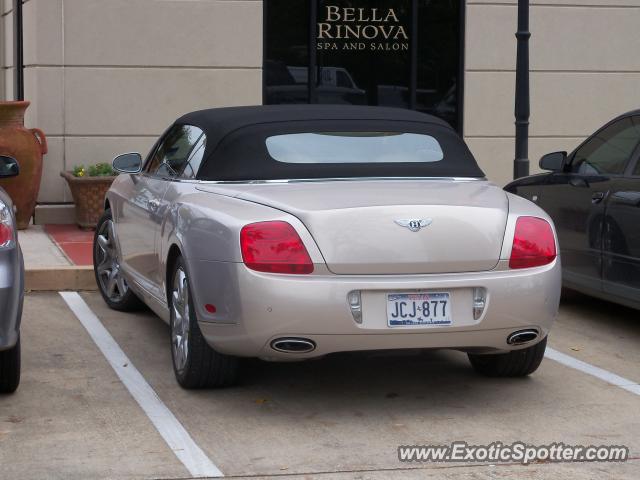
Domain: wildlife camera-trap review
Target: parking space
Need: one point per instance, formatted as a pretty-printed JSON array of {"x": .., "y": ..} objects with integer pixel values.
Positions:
[
  {"x": 339, "y": 417},
  {"x": 71, "y": 416}
]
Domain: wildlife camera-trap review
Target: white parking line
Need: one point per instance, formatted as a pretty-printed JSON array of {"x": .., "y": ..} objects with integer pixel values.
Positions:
[
  {"x": 171, "y": 430},
  {"x": 592, "y": 370}
]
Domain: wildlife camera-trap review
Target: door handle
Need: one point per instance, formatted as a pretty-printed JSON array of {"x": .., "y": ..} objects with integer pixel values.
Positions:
[
  {"x": 597, "y": 197},
  {"x": 153, "y": 205}
]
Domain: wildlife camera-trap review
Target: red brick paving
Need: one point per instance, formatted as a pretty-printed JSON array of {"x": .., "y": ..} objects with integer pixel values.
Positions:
[{"x": 77, "y": 244}]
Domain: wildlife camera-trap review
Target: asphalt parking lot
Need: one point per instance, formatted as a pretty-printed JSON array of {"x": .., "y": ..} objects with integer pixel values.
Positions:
[{"x": 339, "y": 417}]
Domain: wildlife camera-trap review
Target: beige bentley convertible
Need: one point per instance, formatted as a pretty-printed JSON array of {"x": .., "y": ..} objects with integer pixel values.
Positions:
[{"x": 291, "y": 232}]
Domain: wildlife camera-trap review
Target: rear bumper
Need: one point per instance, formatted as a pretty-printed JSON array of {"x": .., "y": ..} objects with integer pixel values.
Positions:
[
  {"x": 253, "y": 309},
  {"x": 11, "y": 296}
]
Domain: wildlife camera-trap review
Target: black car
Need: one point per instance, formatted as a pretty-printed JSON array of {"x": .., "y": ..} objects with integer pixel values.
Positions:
[{"x": 593, "y": 196}]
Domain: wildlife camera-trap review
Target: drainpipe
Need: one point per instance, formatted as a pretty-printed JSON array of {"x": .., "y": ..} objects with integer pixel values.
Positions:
[
  {"x": 18, "y": 58},
  {"x": 522, "y": 110}
]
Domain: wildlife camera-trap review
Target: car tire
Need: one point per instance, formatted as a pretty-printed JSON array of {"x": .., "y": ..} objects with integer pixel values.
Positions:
[
  {"x": 106, "y": 266},
  {"x": 10, "y": 369},
  {"x": 517, "y": 363},
  {"x": 195, "y": 364}
]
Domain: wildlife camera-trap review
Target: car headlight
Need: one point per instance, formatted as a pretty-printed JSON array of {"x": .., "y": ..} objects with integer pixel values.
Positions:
[{"x": 7, "y": 230}]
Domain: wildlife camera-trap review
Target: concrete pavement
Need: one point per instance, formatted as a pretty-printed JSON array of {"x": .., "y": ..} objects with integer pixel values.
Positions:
[
  {"x": 39, "y": 250},
  {"x": 340, "y": 417},
  {"x": 48, "y": 267}
]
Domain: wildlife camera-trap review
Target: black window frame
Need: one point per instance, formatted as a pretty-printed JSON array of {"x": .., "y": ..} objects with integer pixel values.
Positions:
[
  {"x": 160, "y": 142},
  {"x": 413, "y": 78},
  {"x": 201, "y": 144},
  {"x": 627, "y": 171},
  {"x": 633, "y": 169}
]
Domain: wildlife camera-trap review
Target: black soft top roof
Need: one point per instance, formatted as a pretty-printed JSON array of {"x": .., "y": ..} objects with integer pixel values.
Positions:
[
  {"x": 218, "y": 122},
  {"x": 235, "y": 148},
  {"x": 234, "y": 117}
]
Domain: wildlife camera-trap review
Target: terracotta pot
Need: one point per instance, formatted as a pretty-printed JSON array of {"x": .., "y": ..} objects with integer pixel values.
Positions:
[
  {"x": 88, "y": 195},
  {"x": 26, "y": 145}
]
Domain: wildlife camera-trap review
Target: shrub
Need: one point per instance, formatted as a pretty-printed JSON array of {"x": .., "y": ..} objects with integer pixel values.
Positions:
[{"x": 97, "y": 170}]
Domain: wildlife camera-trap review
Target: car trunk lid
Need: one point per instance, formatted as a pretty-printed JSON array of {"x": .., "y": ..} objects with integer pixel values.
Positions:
[{"x": 362, "y": 227}]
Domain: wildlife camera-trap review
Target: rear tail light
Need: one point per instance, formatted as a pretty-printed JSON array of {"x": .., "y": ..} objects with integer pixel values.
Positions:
[
  {"x": 274, "y": 247},
  {"x": 533, "y": 243},
  {"x": 7, "y": 234}
]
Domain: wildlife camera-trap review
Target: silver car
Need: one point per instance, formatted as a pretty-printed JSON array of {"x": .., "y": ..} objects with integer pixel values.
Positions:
[
  {"x": 11, "y": 286},
  {"x": 292, "y": 232}
]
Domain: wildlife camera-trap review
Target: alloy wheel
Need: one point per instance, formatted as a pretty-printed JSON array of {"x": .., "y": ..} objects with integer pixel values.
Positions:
[
  {"x": 180, "y": 321},
  {"x": 111, "y": 281}
]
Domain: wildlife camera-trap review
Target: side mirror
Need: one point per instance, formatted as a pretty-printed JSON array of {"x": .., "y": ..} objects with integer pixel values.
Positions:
[
  {"x": 128, "y": 163},
  {"x": 554, "y": 161},
  {"x": 8, "y": 167}
]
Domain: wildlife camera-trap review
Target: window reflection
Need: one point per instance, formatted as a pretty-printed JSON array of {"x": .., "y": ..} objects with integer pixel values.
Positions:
[
  {"x": 174, "y": 151},
  {"x": 363, "y": 53}
]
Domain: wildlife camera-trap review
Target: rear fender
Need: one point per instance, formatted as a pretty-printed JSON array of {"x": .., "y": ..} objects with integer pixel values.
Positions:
[
  {"x": 207, "y": 227},
  {"x": 206, "y": 230}
]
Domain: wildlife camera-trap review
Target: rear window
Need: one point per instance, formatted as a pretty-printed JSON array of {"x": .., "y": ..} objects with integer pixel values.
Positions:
[
  {"x": 340, "y": 148},
  {"x": 354, "y": 147}
]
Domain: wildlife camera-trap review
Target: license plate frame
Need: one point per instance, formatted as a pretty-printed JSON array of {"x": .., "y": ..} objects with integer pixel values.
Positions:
[{"x": 405, "y": 309}]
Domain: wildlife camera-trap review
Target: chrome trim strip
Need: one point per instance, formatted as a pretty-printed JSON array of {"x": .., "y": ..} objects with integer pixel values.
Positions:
[{"x": 337, "y": 179}]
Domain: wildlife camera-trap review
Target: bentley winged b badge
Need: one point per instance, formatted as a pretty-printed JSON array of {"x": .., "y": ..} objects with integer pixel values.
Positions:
[{"x": 414, "y": 224}]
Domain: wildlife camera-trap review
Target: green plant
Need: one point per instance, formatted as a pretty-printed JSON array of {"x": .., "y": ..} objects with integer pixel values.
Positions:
[{"x": 97, "y": 170}]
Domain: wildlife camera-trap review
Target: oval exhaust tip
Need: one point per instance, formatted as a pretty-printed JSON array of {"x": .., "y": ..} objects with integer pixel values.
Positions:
[
  {"x": 293, "y": 345},
  {"x": 522, "y": 336}
]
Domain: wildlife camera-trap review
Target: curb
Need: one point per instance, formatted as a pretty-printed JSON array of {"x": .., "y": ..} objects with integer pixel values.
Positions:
[{"x": 49, "y": 279}]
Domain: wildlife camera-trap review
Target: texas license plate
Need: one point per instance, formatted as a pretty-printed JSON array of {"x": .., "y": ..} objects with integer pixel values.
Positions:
[{"x": 428, "y": 309}]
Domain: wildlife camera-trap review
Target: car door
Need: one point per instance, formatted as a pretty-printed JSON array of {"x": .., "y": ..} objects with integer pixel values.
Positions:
[
  {"x": 576, "y": 198},
  {"x": 143, "y": 212},
  {"x": 621, "y": 235}
]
